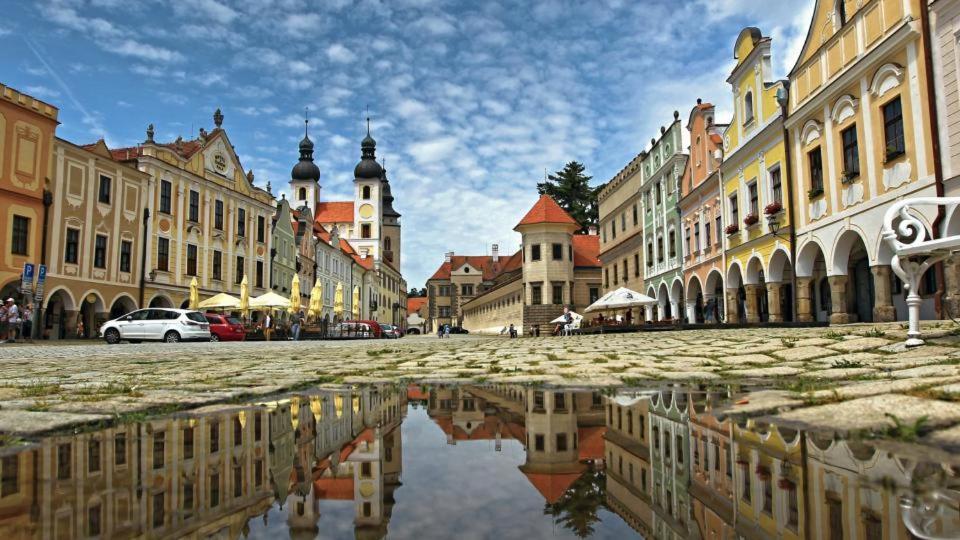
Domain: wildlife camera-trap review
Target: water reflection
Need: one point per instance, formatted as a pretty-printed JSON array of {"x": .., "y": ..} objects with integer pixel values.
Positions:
[{"x": 480, "y": 461}]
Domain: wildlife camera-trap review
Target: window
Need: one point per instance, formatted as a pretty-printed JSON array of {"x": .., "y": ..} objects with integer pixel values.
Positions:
[
  {"x": 64, "y": 452},
  {"x": 686, "y": 239},
  {"x": 623, "y": 222},
  {"x": 103, "y": 193},
  {"x": 649, "y": 253},
  {"x": 217, "y": 265},
  {"x": 238, "y": 276},
  {"x": 261, "y": 229},
  {"x": 218, "y": 215},
  {"x": 561, "y": 442},
  {"x": 366, "y": 469},
  {"x": 158, "y": 444},
  {"x": 536, "y": 295},
  {"x": 893, "y": 128},
  {"x": 594, "y": 294},
  {"x": 815, "y": 160},
  {"x": 257, "y": 427},
  {"x": 659, "y": 198},
  {"x": 636, "y": 265},
  {"x": 673, "y": 243},
  {"x": 613, "y": 229},
  {"x": 660, "y": 249},
  {"x": 126, "y": 247},
  {"x": 187, "y": 495},
  {"x": 191, "y": 260},
  {"x": 237, "y": 432},
  {"x": 851, "y": 152},
  {"x": 754, "y": 196},
  {"x": 93, "y": 455},
  {"x": 188, "y": 443},
  {"x": 538, "y": 443},
  {"x": 214, "y": 437},
  {"x": 194, "y": 211},
  {"x": 656, "y": 438},
  {"x": 237, "y": 481},
  {"x": 636, "y": 219},
  {"x": 72, "y": 249},
  {"x": 93, "y": 520},
  {"x": 214, "y": 490},
  {"x": 158, "y": 517},
  {"x": 606, "y": 277},
  {"x": 100, "y": 252},
  {"x": 21, "y": 235},
  {"x": 258, "y": 473},
  {"x": 696, "y": 236},
  {"x": 748, "y": 107},
  {"x": 557, "y": 293},
  {"x": 625, "y": 274},
  {"x": 745, "y": 484},
  {"x": 734, "y": 209},
  {"x": 706, "y": 235},
  {"x": 570, "y": 252},
  {"x": 302, "y": 194},
  {"x": 365, "y": 231},
  {"x": 166, "y": 198},
  {"x": 776, "y": 185},
  {"x": 679, "y": 449},
  {"x": 535, "y": 252},
  {"x": 241, "y": 222},
  {"x": 9, "y": 475},
  {"x": 842, "y": 11},
  {"x": 365, "y": 192},
  {"x": 120, "y": 449},
  {"x": 557, "y": 252},
  {"x": 466, "y": 290},
  {"x": 259, "y": 282},
  {"x": 616, "y": 275}
]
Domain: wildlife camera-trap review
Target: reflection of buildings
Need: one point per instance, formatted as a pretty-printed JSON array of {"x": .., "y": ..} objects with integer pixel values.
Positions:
[
  {"x": 670, "y": 438},
  {"x": 711, "y": 464},
  {"x": 627, "y": 448}
]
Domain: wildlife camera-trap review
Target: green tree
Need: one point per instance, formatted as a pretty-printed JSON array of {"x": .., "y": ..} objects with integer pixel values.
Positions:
[
  {"x": 577, "y": 509},
  {"x": 571, "y": 189}
]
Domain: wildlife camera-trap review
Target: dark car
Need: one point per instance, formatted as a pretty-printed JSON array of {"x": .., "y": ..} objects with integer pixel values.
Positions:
[
  {"x": 391, "y": 332},
  {"x": 458, "y": 330},
  {"x": 225, "y": 328}
]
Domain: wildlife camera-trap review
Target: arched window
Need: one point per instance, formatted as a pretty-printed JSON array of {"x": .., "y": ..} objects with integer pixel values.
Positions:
[
  {"x": 387, "y": 243},
  {"x": 366, "y": 192},
  {"x": 748, "y": 107},
  {"x": 303, "y": 194}
]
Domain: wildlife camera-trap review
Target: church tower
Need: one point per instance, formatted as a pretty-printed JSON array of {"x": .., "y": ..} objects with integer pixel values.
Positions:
[
  {"x": 305, "y": 176},
  {"x": 368, "y": 203},
  {"x": 391, "y": 224}
]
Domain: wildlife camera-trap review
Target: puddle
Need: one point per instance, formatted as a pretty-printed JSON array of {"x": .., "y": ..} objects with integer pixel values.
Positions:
[{"x": 473, "y": 462}]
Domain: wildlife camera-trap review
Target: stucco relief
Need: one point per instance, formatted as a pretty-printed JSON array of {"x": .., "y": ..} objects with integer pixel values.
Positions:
[
  {"x": 818, "y": 209},
  {"x": 26, "y": 158},
  {"x": 897, "y": 175},
  {"x": 70, "y": 269},
  {"x": 811, "y": 131},
  {"x": 852, "y": 194},
  {"x": 844, "y": 108},
  {"x": 99, "y": 273}
]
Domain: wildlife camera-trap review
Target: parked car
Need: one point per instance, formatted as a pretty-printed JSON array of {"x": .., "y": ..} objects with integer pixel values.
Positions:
[
  {"x": 458, "y": 330},
  {"x": 391, "y": 332},
  {"x": 157, "y": 324},
  {"x": 413, "y": 330},
  {"x": 225, "y": 328},
  {"x": 351, "y": 329}
]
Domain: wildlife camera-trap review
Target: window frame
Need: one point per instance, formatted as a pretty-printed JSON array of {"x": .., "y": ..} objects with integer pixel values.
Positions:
[
  {"x": 899, "y": 148},
  {"x": 20, "y": 235},
  {"x": 71, "y": 246},
  {"x": 166, "y": 197},
  {"x": 104, "y": 189},
  {"x": 126, "y": 255},
  {"x": 100, "y": 251},
  {"x": 850, "y": 152}
]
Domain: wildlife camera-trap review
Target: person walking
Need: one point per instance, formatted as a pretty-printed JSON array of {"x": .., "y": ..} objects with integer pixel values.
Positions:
[
  {"x": 26, "y": 327},
  {"x": 440, "y": 331},
  {"x": 13, "y": 320},
  {"x": 268, "y": 327},
  {"x": 297, "y": 325},
  {"x": 3, "y": 321},
  {"x": 446, "y": 331}
]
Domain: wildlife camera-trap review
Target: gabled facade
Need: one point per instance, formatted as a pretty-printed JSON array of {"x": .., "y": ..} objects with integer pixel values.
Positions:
[
  {"x": 305, "y": 239},
  {"x": 663, "y": 167},
  {"x": 283, "y": 254},
  {"x": 756, "y": 234},
  {"x": 860, "y": 137}
]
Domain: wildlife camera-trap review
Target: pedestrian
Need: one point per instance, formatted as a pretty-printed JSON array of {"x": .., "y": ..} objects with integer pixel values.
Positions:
[
  {"x": 3, "y": 321},
  {"x": 513, "y": 331},
  {"x": 446, "y": 330},
  {"x": 13, "y": 320},
  {"x": 629, "y": 317},
  {"x": 26, "y": 327},
  {"x": 440, "y": 331},
  {"x": 297, "y": 325},
  {"x": 267, "y": 327},
  {"x": 80, "y": 332}
]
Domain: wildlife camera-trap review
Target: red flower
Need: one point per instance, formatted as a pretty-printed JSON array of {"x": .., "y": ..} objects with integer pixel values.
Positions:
[
  {"x": 731, "y": 228},
  {"x": 773, "y": 208},
  {"x": 751, "y": 219}
]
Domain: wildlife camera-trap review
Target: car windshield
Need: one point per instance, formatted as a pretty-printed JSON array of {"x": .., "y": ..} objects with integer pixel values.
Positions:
[
  {"x": 196, "y": 316},
  {"x": 234, "y": 320}
]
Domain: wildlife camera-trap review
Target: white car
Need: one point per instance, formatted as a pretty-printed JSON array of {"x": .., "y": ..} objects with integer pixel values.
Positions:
[{"x": 157, "y": 324}]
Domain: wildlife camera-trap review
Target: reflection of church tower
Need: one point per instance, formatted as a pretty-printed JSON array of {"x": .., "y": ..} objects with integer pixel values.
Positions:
[{"x": 305, "y": 178}]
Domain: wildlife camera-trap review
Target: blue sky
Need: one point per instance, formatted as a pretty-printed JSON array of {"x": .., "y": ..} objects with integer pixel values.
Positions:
[{"x": 470, "y": 101}]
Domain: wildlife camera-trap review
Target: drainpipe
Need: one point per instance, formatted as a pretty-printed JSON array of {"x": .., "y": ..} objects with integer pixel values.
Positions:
[
  {"x": 934, "y": 143},
  {"x": 783, "y": 100},
  {"x": 35, "y": 331},
  {"x": 143, "y": 257}
]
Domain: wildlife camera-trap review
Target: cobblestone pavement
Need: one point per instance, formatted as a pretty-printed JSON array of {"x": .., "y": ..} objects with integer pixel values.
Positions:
[{"x": 847, "y": 378}]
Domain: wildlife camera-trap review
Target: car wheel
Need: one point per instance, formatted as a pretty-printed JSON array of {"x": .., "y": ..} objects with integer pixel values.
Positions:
[
  {"x": 112, "y": 336},
  {"x": 214, "y": 337},
  {"x": 171, "y": 337}
]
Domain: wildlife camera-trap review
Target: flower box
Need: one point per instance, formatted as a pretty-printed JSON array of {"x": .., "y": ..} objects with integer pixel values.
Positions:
[
  {"x": 732, "y": 228},
  {"x": 814, "y": 193},
  {"x": 848, "y": 177},
  {"x": 786, "y": 483},
  {"x": 751, "y": 219},
  {"x": 773, "y": 208},
  {"x": 762, "y": 472}
]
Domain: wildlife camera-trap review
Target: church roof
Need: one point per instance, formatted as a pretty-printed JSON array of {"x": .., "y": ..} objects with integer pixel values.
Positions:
[
  {"x": 546, "y": 210},
  {"x": 335, "y": 212}
]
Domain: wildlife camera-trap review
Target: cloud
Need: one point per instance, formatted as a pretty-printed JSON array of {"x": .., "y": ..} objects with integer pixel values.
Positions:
[
  {"x": 339, "y": 141},
  {"x": 434, "y": 150},
  {"x": 340, "y": 54},
  {"x": 302, "y": 23},
  {"x": 436, "y": 25},
  {"x": 41, "y": 91}
]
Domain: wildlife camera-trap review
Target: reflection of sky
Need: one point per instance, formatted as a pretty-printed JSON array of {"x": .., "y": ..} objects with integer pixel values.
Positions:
[{"x": 467, "y": 491}]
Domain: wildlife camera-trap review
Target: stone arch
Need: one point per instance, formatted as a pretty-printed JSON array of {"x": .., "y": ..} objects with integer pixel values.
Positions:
[
  {"x": 694, "y": 288},
  {"x": 160, "y": 300},
  {"x": 122, "y": 304},
  {"x": 734, "y": 274},
  {"x": 755, "y": 271},
  {"x": 840, "y": 255},
  {"x": 663, "y": 300},
  {"x": 59, "y": 314},
  {"x": 92, "y": 312},
  {"x": 779, "y": 261},
  {"x": 807, "y": 257},
  {"x": 886, "y": 78},
  {"x": 67, "y": 295},
  {"x": 694, "y": 300}
]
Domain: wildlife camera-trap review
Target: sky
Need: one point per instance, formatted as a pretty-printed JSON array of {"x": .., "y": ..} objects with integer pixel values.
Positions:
[{"x": 471, "y": 102}]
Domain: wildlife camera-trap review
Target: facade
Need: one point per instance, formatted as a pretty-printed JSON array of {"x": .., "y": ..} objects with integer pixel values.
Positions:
[
  {"x": 27, "y": 129},
  {"x": 207, "y": 219},
  {"x": 462, "y": 278},
  {"x": 757, "y": 237},
  {"x": 284, "y": 253},
  {"x": 860, "y": 135},
  {"x": 711, "y": 468},
  {"x": 627, "y": 452},
  {"x": 555, "y": 267},
  {"x": 670, "y": 465},
  {"x": 305, "y": 240},
  {"x": 662, "y": 167},
  {"x": 334, "y": 266},
  {"x": 96, "y": 237},
  {"x": 701, "y": 216},
  {"x": 621, "y": 230}
]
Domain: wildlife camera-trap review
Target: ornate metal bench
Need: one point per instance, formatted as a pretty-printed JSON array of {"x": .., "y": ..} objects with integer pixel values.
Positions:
[{"x": 914, "y": 251}]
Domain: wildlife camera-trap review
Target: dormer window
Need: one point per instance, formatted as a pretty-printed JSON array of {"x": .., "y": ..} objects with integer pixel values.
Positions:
[{"x": 748, "y": 108}]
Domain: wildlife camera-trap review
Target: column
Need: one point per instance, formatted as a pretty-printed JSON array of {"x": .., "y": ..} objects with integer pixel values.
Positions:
[
  {"x": 69, "y": 323},
  {"x": 773, "y": 302},
  {"x": 691, "y": 312},
  {"x": 883, "y": 310},
  {"x": 951, "y": 286},
  {"x": 804, "y": 302},
  {"x": 674, "y": 310},
  {"x": 648, "y": 313},
  {"x": 753, "y": 308},
  {"x": 733, "y": 306},
  {"x": 838, "y": 299}
]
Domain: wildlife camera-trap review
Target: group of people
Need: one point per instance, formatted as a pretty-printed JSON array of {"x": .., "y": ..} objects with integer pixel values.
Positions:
[
  {"x": 15, "y": 322},
  {"x": 443, "y": 331},
  {"x": 295, "y": 326}
]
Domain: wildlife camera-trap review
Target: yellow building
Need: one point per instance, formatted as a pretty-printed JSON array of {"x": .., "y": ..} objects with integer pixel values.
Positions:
[
  {"x": 27, "y": 127},
  {"x": 207, "y": 219},
  {"x": 757, "y": 240},
  {"x": 860, "y": 128},
  {"x": 95, "y": 238},
  {"x": 621, "y": 228}
]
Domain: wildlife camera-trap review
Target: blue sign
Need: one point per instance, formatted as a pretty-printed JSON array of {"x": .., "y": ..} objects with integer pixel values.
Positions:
[
  {"x": 26, "y": 281},
  {"x": 41, "y": 274}
]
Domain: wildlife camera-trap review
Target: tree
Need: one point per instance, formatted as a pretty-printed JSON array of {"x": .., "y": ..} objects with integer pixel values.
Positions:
[
  {"x": 571, "y": 189},
  {"x": 577, "y": 510}
]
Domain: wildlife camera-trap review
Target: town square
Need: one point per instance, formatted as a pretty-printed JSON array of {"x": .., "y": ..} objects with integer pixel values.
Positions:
[{"x": 441, "y": 269}]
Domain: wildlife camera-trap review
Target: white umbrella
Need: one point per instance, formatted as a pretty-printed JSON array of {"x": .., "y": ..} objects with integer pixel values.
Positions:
[
  {"x": 622, "y": 298},
  {"x": 270, "y": 300},
  {"x": 222, "y": 300},
  {"x": 562, "y": 318}
]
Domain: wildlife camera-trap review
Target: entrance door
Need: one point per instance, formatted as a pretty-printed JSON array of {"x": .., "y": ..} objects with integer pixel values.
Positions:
[{"x": 863, "y": 290}]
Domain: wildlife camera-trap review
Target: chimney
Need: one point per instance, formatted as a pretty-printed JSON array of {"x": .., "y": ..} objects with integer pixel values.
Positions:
[
  {"x": 592, "y": 230},
  {"x": 495, "y": 253},
  {"x": 448, "y": 256}
]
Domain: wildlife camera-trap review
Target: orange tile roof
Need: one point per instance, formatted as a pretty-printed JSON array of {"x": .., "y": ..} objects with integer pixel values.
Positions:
[
  {"x": 347, "y": 248},
  {"x": 185, "y": 150},
  {"x": 591, "y": 442},
  {"x": 335, "y": 212},
  {"x": 484, "y": 263},
  {"x": 586, "y": 250},
  {"x": 334, "y": 488},
  {"x": 546, "y": 210},
  {"x": 415, "y": 392},
  {"x": 414, "y": 304},
  {"x": 552, "y": 486}
]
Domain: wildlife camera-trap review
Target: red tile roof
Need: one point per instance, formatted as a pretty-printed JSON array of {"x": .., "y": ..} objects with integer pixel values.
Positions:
[
  {"x": 185, "y": 150},
  {"x": 552, "y": 486},
  {"x": 414, "y": 304},
  {"x": 546, "y": 210},
  {"x": 334, "y": 488},
  {"x": 586, "y": 250},
  {"x": 335, "y": 212},
  {"x": 484, "y": 263},
  {"x": 591, "y": 442},
  {"x": 416, "y": 393},
  {"x": 348, "y": 249}
]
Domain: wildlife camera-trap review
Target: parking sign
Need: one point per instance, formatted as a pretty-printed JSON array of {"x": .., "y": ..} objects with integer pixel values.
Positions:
[{"x": 26, "y": 281}]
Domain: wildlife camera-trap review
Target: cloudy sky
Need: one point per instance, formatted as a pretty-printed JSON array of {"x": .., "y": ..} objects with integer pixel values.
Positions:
[{"x": 470, "y": 101}]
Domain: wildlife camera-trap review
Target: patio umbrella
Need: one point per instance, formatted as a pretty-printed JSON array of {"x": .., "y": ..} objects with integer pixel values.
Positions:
[
  {"x": 338, "y": 300},
  {"x": 622, "y": 298},
  {"x": 561, "y": 318},
  {"x": 316, "y": 300},
  {"x": 222, "y": 300},
  {"x": 295, "y": 294},
  {"x": 270, "y": 300},
  {"x": 194, "y": 293},
  {"x": 356, "y": 302},
  {"x": 244, "y": 297}
]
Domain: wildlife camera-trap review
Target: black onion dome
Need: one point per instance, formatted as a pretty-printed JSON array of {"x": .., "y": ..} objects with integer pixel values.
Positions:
[
  {"x": 368, "y": 167},
  {"x": 306, "y": 169}
]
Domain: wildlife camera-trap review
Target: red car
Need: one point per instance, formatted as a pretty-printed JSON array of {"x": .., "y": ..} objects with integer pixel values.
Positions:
[{"x": 225, "y": 328}]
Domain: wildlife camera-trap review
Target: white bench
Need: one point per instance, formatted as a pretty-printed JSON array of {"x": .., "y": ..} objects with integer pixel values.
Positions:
[{"x": 914, "y": 252}]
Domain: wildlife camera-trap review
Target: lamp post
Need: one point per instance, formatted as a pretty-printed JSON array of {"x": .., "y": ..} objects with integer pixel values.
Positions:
[{"x": 783, "y": 99}]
